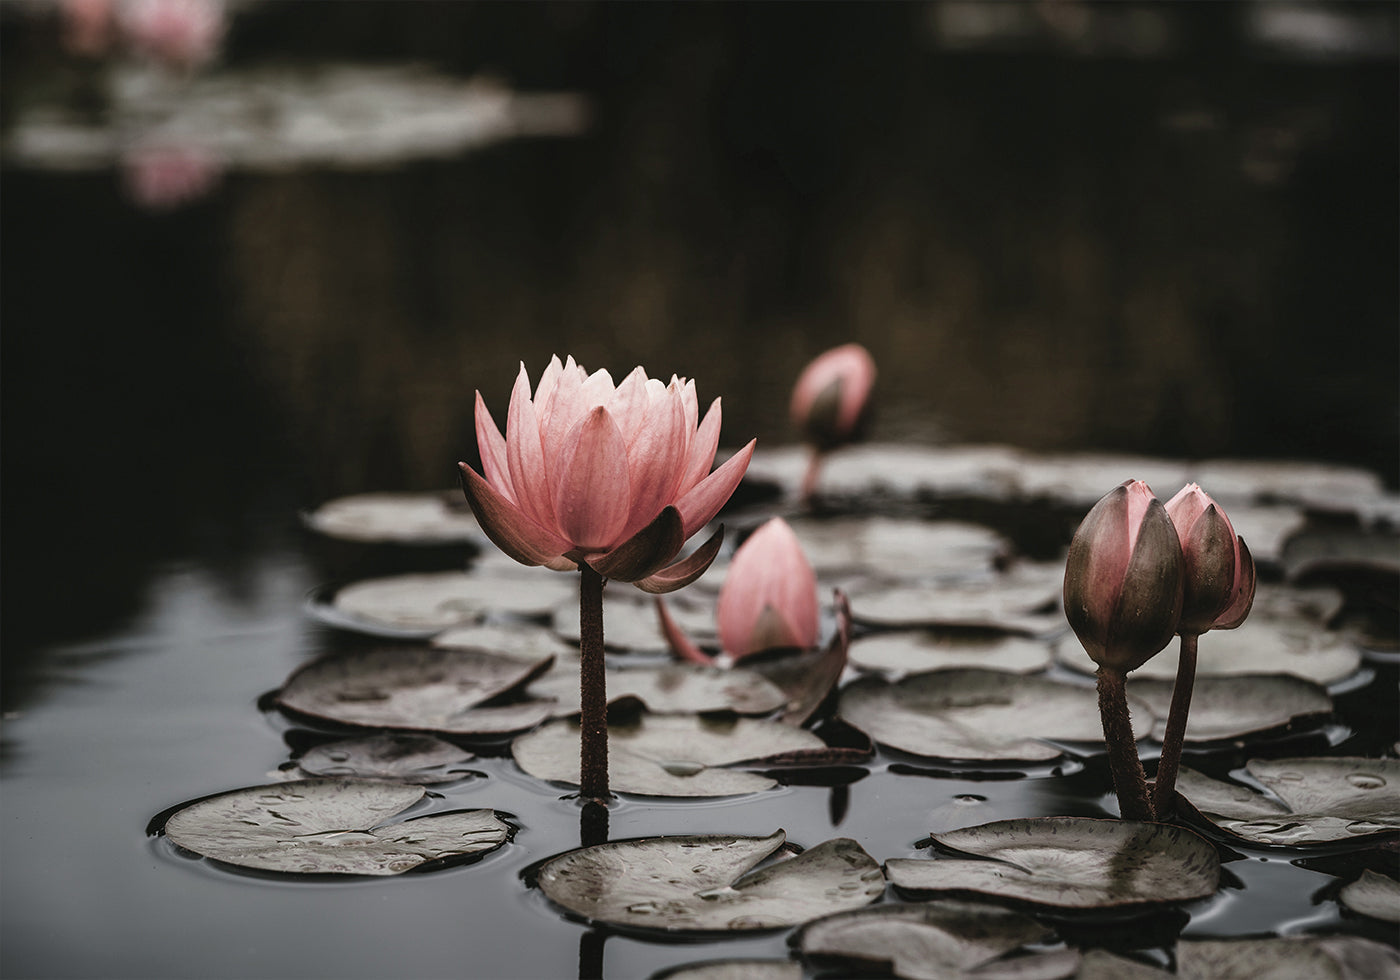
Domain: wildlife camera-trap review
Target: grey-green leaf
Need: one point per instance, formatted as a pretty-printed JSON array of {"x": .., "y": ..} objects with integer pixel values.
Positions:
[
  {"x": 329, "y": 826},
  {"x": 1022, "y": 601},
  {"x": 673, "y": 688},
  {"x": 1234, "y": 706},
  {"x": 398, "y": 518},
  {"x": 887, "y": 546},
  {"x": 1069, "y": 862},
  {"x": 704, "y": 883},
  {"x": 1373, "y": 894},
  {"x": 734, "y": 970},
  {"x": 919, "y": 651},
  {"x": 406, "y": 757},
  {"x": 1287, "y": 958},
  {"x": 438, "y": 600}
]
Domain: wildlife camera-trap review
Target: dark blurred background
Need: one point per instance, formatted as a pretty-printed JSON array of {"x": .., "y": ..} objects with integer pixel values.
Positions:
[{"x": 1160, "y": 228}]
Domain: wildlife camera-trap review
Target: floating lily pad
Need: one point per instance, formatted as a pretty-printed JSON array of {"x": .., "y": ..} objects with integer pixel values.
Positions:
[
  {"x": 418, "y": 689},
  {"x": 630, "y": 621},
  {"x": 1069, "y": 862},
  {"x": 884, "y": 545},
  {"x": 1230, "y": 707},
  {"x": 806, "y": 677},
  {"x": 968, "y": 713},
  {"x": 895, "y": 471},
  {"x": 408, "y": 758},
  {"x": 668, "y": 689},
  {"x": 1100, "y": 964},
  {"x": 1324, "y": 800},
  {"x": 1287, "y": 958},
  {"x": 436, "y": 601},
  {"x": 1266, "y": 529},
  {"x": 706, "y": 883},
  {"x": 1023, "y": 601},
  {"x": 1080, "y": 479},
  {"x": 397, "y": 518},
  {"x": 1373, "y": 894},
  {"x": 330, "y": 826},
  {"x": 1284, "y": 480},
  {"x": 1255, "y": 648},
  {"x": 924, "y": 941},
  {"x": 1327, "y": 552},
  {"x": 734, "y": 970},
  {"x": 518, "y": 641},
  {"x": 920, "y": 651},
  {"x": 666, "y": 755}
]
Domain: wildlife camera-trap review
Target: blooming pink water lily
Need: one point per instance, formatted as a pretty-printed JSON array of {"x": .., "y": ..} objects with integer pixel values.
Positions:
[
  {"x": 831, "y": 399},
  {"x": 614, "y": 476},
  {"x": 769, "y": 598},
  {"x": 1219, "y": 580},
  {"x": 1123, "y": 578}
]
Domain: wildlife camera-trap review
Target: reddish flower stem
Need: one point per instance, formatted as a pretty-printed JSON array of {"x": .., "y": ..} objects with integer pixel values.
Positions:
[
  {"x": 811, "y": 475},
  {"x": 1165, "y": 786},
  {"x": 593, "y": 694},
  {"x": 1129, "y": 781}
]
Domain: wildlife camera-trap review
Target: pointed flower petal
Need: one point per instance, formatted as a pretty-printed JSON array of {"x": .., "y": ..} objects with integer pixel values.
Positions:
[
  {"x": 700, "y": 504},
  {"x": 646, "y": 551},
  {"x": 685, "y": 571},
  {"x": 677, "y": 640},
  {"x": 592, "y": 491},
  {"x": 509, "y": 529}
]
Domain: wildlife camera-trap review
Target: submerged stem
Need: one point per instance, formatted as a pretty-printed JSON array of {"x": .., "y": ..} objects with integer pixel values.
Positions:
[
  {"x": 1129, "y": 781},
  {"x": 593, "y": 694},
  {"x": 1165, "y": 785}
]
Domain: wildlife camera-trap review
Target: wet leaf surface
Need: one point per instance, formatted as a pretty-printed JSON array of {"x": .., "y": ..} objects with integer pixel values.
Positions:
[
  {"x": 1302, "y": 482},
  {"x": 924, "y": 941},
  {"x": 1232, "y": 707},
  {"x": 630, "y": 620},
  {"x": 734, "y": 970},
  {"x": 519, "y": 641},
  {"x": 1069, "y": 862},
  {"x": 1287, "y": 958},
  {"x": 1322, "y": 800},
  {"x": 1022, "y": 601},
  {"x": 398, "y": 518},
  {"x": 418, "y": 689},
  {"x": 890, "y": 546},
  {"x": 920, "y": 651},
  {"x": 1100, "y": 964},
  {"x": 709, "y": 883},
  {"x": 666, "y": 755},
  {"x": 440, "y": 600},
  {"x": 894, "y": 471},
  {"x": 806, "y": 677},
  {"x": 976, "y": 714},
  {"x": 329, "y": 826},
  {"x": 667, "y": 689},
  {"x": 1374, "y": 895},
  {"x": 420, "y": 759}
]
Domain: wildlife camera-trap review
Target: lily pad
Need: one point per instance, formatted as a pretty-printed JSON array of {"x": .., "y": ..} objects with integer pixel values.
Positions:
[
  {"x": 1069, "y": 862},
  {"x": 924, "y": 941},
  {"x": 667, "y": 689},
  {"x": 1375, "y": 895},
  {"x": 920, "y": 651},
  {"x": 1231, "y": 707},
  {"x": 398, "y": 518},
  {"x": 895, "y": 471},
  {"x": 707, "y": 883},
  {"x": 630, "y": 622},
  {"x": 1266, "y": 529},
  {"x": 969, "y": 713},
  {"x": 417, "y": 689},
  {"x": 518, "y": 641},
  {"x": 1079, "y": 479},
  {"x": 666, "y": 755},
  {"x": 1023, "y": 601},
  {"x": 734, "y": 970},
  {"x": 330, "y": 826},
  {"x": 1287, "y": 958},
  {"x": 408, "y": 758},
  {"x": 1319, "y": 801},
  {"x": 439, "y": 600},
  {"x": 1284, "y": 480},
  {"x": 884, "y": 545}
]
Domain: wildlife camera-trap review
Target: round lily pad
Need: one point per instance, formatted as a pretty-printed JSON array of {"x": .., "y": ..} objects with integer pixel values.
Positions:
[
  {"x": 924, "y": 941},
  {"x": 969, "y": 713},
  {"x": 1304, "y": 957},
  {"x": 1079, "y": 479},
  {"x": 920, "y": 651},
  {"x": 672, "y": 688},
  {"x": 894, "y": 471},
  {"x": 1375, "y": 895},
  {"x": 406, "y": 757},
  {"x": 398, "y": 518},
  {"x": 1319, "y": 801},
  {"x": 1261, "y": 479},
  {"x": 518, "y": 641},
  {"x": 1069, "y": 862},
  {"x": 1231, "y": 707},
  {"x": 439, "y": 600},
  {"x": 708, "y": 883},
  {"x": 330, "y": 826},
  {"x": 734, "y": 970},
  {"x": 666, "y": 755},
  {"x": 417, "y": 689},
  {"x": 1023, "y": 601},
  {"x": 630, "y": 621},
  {"x": 885, "y": 546}
]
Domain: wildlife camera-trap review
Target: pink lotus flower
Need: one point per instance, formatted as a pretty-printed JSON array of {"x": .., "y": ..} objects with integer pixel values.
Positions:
[
  {"x": 616, "y": 477},
  {"x": 164, "y": 177},
  {"x": 1123, "y": 578},
  {"x": 831, "y": 400},
  {"x": 1219, "y": 573},
  {"x": 769, "y": 598},
  {"x": 180, "y": 33}
]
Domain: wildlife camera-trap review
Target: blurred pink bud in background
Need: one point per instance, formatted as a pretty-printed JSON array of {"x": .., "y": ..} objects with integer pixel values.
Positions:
[
  {"x": 164, "y": 177},
  {"x": 180, "y": 33},
  {"x": 831, "y": 400}
]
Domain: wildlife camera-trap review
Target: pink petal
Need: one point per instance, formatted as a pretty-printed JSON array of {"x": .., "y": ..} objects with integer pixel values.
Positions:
[
  {"x": 700, "y": 504},
  {"x": 643, "y": 553},
  {"x": 629, "y": 405},
  {"x": 566, "y": 408},
  {"x": 656, "y": 457},
  {"x": 525, "y": 457},
  {"x": 508, "y": 528},
  {"x": 677, "y": 640},
  {"x": 769, "y": 597},
  {"x": 492, "y": 446},
  {"x": 702, "y": 447},
  {"x": 685, "y": 571},
  {"x": 592, "y": 491},
  {"x": 544, "y": 391}
]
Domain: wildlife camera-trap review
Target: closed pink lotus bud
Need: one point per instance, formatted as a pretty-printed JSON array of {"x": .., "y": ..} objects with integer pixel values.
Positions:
[
  {"x": 1123, "y": 578},
  {"x": 1219, "y": 581},
  {"x": 769, "y": 597},
  {"x": 179, "y": 33},
  {"x": 831, "y": 400},
  {"x": 617, "y": 477}
]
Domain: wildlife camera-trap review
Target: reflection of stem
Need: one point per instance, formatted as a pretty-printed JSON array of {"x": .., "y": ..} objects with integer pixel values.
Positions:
[
  {"x": 1165, "y": 786},
  {"x": 593, "y": 693},
  {"x": 1129, "y": 781},
  {"x": 592, "y": 824},
  {"x": 590, "y": 955},
  {"x": 809, "y": 478}
]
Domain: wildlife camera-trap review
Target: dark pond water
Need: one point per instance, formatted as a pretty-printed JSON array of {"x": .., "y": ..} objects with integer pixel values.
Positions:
[{"x": 1189, "y": 253}]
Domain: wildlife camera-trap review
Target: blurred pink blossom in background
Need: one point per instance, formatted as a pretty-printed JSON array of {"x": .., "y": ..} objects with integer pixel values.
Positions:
[{"x": 165, "y": 177}]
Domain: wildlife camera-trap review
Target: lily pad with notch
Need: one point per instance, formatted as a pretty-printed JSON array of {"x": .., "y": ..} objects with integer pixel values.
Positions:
[
  {"x": 398, "y": 518},
  {"x": 330, "y": 826},
  {"x": 1068, "y": 862},
  {"x": 979, "y": 715},
  {"x": 437, "y": 601},
  {"x": 671, "y": 688},
  {"x": 406, "y": 757},
  {"x": 667, "y": 755},
  {"x": 1328, "y": 800},
  {"x": 1228, "y": 707},
  {"x": 710, "y": 883},
  {"x": 417, "y": 689}
]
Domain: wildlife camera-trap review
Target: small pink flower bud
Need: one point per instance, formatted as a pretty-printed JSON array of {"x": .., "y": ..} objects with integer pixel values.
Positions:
[
  {"x": 769, "y": 597},
  {"x": 1219, "y": 570},
  {"x": 831, "y": 400},
  {"x": 1124, "y": 578}
]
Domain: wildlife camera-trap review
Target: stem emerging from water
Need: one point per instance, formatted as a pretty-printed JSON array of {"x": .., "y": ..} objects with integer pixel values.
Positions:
[
  {"x": 1165, "y": 786},
  {"x": 1129, "y": 781},
  {"x": 593, "y": 694},
  {"x": 811, "y": 475}
]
